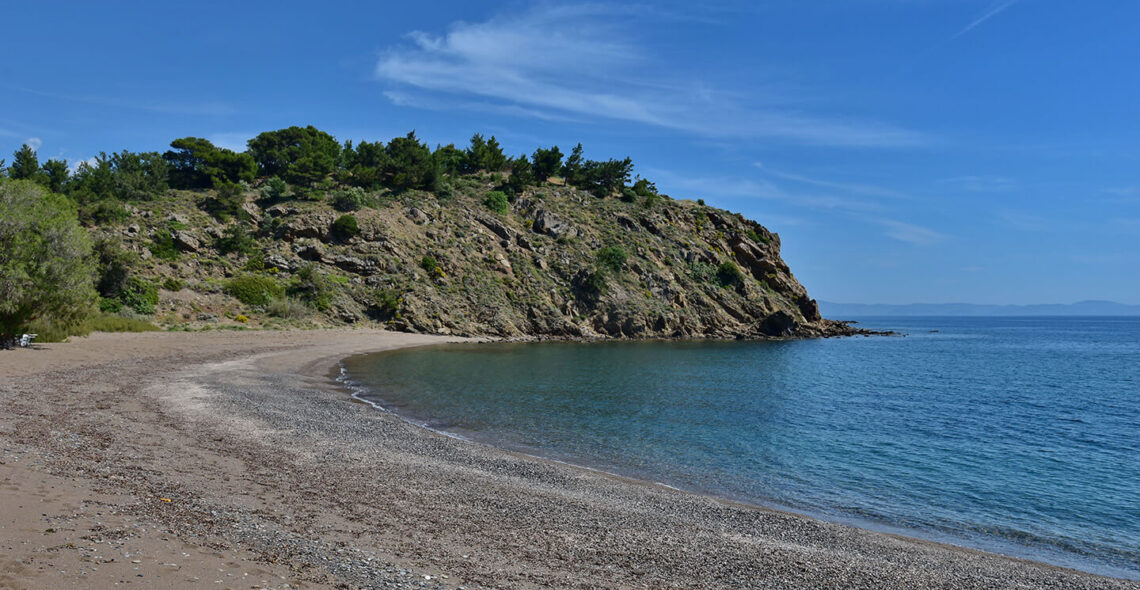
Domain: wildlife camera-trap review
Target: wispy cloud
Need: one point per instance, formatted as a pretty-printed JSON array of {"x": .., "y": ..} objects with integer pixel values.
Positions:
[
  {"x": 847, "y": 187},
  {"x": 994, "y": 9},
  {"x": 558, "y": 61},
  {"x": 756, "y": 188},
  {"x": 909, "y": 232},
  {"x": 154, "y": 106},
  {"x": 423, "y": 100},
  {"x": 853, "y": 210},
  {"x": 34, "y": 142},
  {"x": 980, "y": 184},
  {"x": 689, "y": 186}
]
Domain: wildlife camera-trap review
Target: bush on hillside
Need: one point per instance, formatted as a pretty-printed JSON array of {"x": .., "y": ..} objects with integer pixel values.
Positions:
[
  {"x": 235, "y": 240},
  {"x": 226, "y": 202},
  {"x": 728, "y": 274},
  {"x": 140, "y": 295},
  {"x": 274, "y": 189},
  {"x": 430, "y": 264},
  {"x": 286, "y": 308},
  {"x": 162, "y": 245},
  {"x": 253, "y": 289},
  {"x": 347, "y": 200},
  {"x": 312, "y": 286},
  {"x": 345, "y": 228},
  {"x": 612, "y": 258},
  {"x": 497, "y": 201}
]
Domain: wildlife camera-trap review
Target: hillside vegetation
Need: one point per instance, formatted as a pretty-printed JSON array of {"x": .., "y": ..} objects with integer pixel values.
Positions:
[{"x": 301, "y": 230}]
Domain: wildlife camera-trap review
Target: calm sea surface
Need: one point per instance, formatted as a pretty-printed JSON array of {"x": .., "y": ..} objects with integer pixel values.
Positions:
[{"x": 1015, "y": 435}]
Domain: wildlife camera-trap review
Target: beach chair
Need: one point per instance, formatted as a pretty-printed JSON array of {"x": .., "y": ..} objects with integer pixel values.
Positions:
[{"x": 26, "y": 340}]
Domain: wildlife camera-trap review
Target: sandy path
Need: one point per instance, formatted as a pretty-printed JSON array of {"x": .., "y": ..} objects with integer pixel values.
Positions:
[{"x": 276, "y": 479}]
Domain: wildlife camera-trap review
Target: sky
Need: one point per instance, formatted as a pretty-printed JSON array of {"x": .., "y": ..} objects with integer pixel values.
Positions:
[{"x": 982, "y": 151}]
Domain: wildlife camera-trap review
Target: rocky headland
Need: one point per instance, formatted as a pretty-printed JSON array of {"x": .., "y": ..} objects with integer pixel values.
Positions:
[{"x": 555, "y": 262}]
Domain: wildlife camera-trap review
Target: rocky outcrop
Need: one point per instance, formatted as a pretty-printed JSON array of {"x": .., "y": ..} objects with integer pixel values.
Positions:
[
  {"x": 560, "y": 263},
  {"x": 552, "y": 225},
  {"x": 185, "y": 241}
]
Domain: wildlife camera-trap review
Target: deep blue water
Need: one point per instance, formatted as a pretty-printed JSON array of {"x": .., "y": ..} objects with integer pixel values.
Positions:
[{"x": 1015, "y": 435}]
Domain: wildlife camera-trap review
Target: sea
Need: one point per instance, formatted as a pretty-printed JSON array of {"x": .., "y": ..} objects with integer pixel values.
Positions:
[{"x": 1015, "y": 435}]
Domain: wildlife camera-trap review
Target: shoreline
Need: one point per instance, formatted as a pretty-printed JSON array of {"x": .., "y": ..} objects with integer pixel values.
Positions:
[
  {"x": 266, "y": 471},
  {"x": 337, "y": 373}
]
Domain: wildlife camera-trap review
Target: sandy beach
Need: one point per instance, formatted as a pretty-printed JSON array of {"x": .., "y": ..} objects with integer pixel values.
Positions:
[{"x": 234, "y": 460}]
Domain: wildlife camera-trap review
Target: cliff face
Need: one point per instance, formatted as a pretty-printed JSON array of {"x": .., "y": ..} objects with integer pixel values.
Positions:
[{"x": 558, "y": 262}]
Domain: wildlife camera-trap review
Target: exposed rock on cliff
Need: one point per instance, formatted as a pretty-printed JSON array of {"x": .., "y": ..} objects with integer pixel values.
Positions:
[{"x": 558, "y": 263}]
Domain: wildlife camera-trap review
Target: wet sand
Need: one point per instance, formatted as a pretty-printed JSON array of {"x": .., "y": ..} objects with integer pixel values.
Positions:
[{"x": 233, "y": 460}]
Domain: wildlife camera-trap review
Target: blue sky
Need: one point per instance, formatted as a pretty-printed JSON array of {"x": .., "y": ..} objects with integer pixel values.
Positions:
[{"x": 905, "y": 150}]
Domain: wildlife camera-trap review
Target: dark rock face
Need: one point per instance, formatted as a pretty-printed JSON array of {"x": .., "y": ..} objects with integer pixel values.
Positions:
[
  {"x": 304, "y": 227},
  {"x": 310, "y": 252},
  {"x": 809, "y": 308},
  {"x": 779, "y": 324},
  {"x": 354, "y": 265},
  {"x": 552, "y": 225}
]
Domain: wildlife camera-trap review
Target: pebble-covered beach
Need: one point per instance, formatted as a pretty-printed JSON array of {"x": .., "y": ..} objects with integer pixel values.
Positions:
[{"x": 234, "y": 460}]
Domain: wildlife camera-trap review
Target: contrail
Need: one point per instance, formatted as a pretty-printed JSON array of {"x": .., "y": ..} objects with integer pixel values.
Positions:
[{"x": 994, "y": 10}]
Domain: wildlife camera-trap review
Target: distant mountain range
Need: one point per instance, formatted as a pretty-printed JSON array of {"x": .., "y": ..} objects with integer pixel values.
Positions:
[{"x": 841, "y": 311}]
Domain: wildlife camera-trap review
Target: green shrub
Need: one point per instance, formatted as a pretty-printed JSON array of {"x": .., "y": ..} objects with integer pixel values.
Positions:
[
  {"x": 347, "y": 200},
  {"x": 430, "y": 264},
  {"x": 651, "y": 200},
  {"x": 103, "y": 212},
  {"x": 286, "y": 308},
  {"x": 387, "y": 302},
  {"x": 140, "y": 295},
  {"x": 51, "y": 330},
  {"x": 235, "y": 240},
  {"x": 113, "y": 266},
  {"x": 497, "y": 201},
  {"x": 701, "y": 202},
  {"x": 253, "y": 289},
  {"x": 256, "y": 262},
  {"x": 275, "y": 189},
  {"x": 226, "y": 202},
  {"x": 612, "y": 257},
  {"x": 445, "y": 191},
  {"x": 173, "y": 284},
  {"x": 702, "y": 272},
  {"x": 162, "y": 245},
  {"x": 110, "y": 305},
  {"x": 312, "y": 286},
  {"x": 628, "y": 195},
  {"x": 728, "y": 274},
  {"x": 345, "y": 227}
]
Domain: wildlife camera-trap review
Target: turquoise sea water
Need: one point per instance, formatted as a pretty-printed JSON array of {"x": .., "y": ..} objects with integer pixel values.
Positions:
[{"x": 1014, "y": 435}]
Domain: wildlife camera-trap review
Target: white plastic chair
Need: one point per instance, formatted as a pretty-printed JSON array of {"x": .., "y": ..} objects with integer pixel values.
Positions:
[{"x": 26, "y": 339}]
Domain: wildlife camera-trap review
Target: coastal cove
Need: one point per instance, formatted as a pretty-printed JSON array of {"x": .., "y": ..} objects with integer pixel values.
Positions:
[
  {"x": 1009, "y": 435},
  {"x": 233, "y": 455}
]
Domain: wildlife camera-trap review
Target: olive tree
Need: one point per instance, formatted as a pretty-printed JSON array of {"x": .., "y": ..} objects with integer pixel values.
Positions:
[{"x": 46, "y": 268}]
